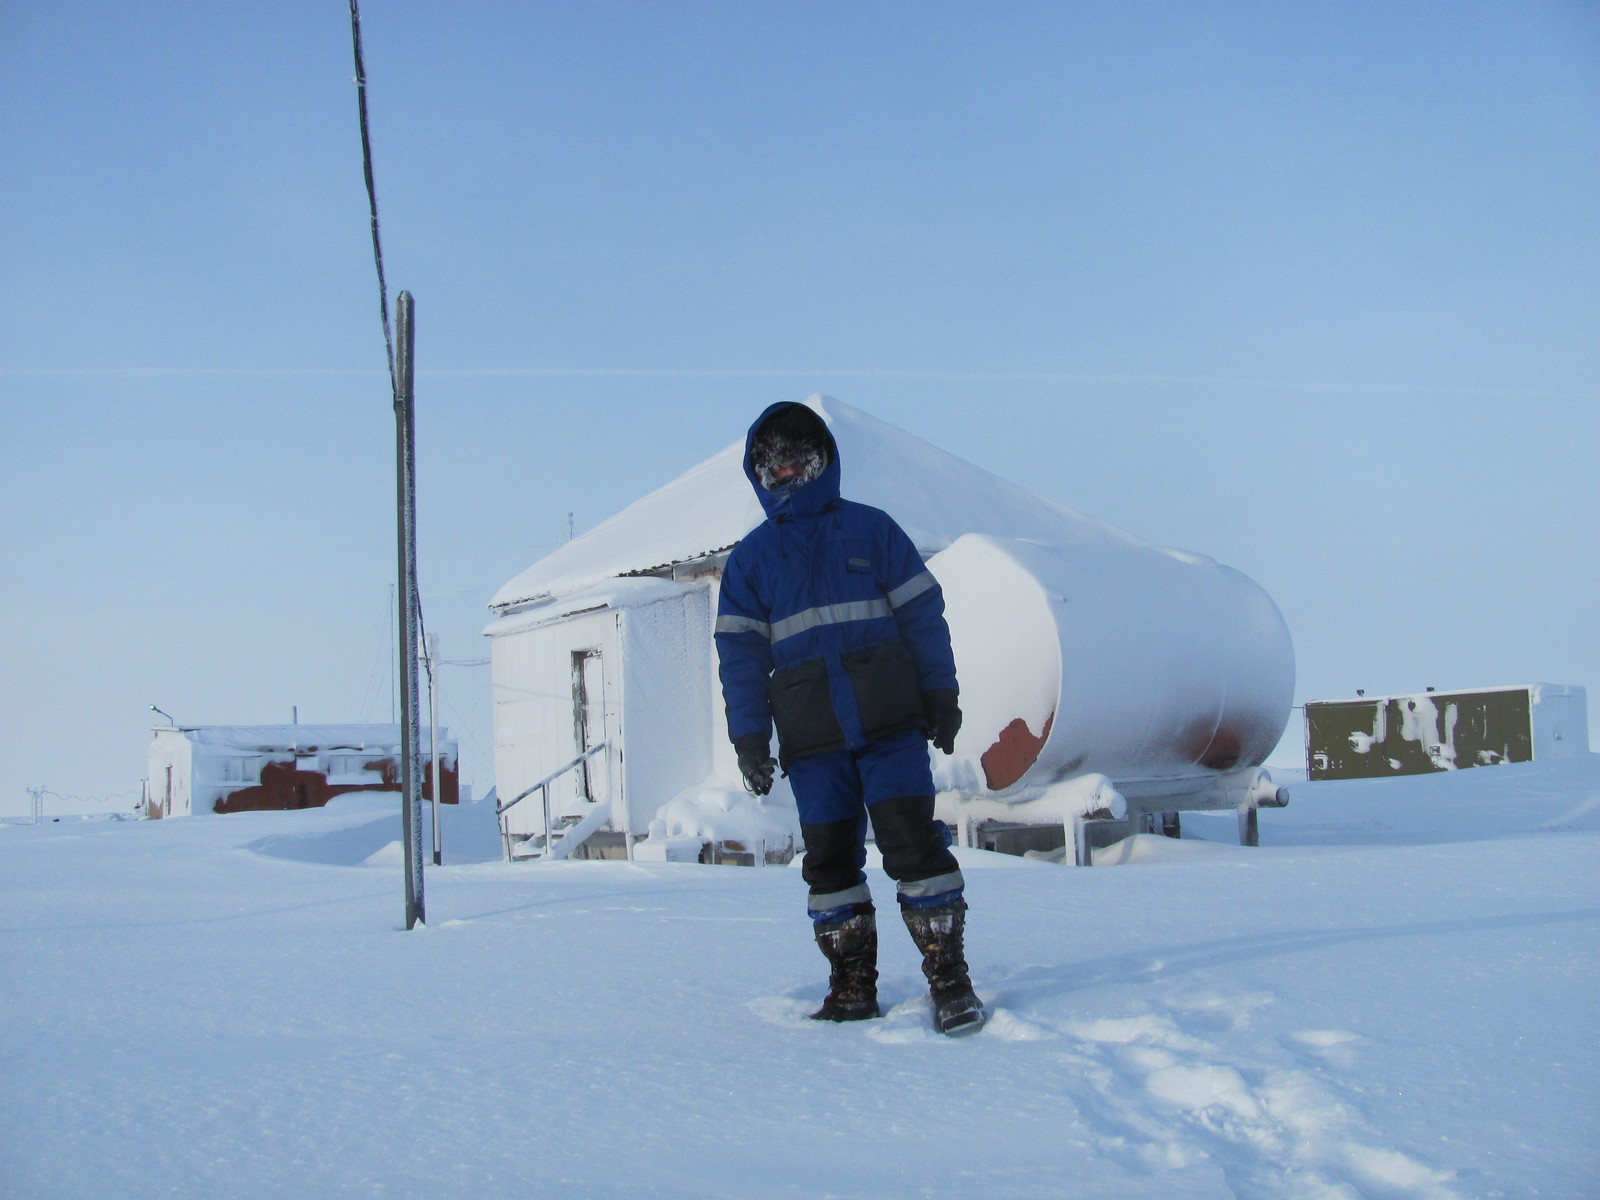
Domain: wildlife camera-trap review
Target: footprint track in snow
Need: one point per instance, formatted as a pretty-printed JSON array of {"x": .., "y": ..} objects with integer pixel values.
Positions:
[
  {"x": 1182, "y": 1084},
  {"x": 1163, "y": 1098}
]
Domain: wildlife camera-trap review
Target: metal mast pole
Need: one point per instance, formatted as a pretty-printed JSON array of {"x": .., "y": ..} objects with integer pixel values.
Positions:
[
  {"x": 410, "y": 729},
  {"x": 433, "y": 739}
]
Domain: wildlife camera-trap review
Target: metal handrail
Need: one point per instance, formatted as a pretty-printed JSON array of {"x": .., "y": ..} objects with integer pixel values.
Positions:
[
  {"x": 549, "y": 779},
  {"x": 543, "y": 787}
]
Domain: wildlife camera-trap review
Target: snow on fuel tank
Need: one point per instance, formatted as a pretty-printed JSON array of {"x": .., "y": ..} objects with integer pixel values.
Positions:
[{"x": 1109, "y": 656}]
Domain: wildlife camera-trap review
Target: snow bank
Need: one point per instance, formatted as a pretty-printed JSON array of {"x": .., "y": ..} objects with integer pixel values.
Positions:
[
  {"x": 362, "y": 828},
  {"x": 195, "y": 1009},
  {"x": 1561, "y": 795},
  {"x": 231, "y": 1007},
  {"x": 766, "y": 827}
]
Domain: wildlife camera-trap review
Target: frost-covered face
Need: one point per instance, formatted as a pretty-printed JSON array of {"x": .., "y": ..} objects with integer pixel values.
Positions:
[{"x": 781, "y": 461}]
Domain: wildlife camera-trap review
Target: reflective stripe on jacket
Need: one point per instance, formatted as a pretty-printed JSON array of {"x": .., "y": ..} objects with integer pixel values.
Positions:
[{"x": 829, "y": 625}]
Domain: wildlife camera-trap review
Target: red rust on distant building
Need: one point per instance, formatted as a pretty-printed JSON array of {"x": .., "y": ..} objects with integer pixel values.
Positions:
[
  {"x": 1013, "y": 752},
  {"x": 283, "y": 786}
]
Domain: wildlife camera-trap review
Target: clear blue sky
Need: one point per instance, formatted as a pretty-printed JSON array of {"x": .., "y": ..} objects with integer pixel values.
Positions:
[{"x": 1313, "y": 288}]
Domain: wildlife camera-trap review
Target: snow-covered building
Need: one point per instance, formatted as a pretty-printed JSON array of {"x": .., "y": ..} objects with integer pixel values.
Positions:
[
  {"x": 236, "y": 768},
  {"x": 1101, "y": 676}
]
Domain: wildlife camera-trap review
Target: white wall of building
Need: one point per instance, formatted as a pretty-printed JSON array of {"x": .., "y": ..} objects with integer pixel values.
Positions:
[
  {"x": 1560, "y": 715},
  {"x": 655, "y": 663},
  {"x": 170, "y": 766},
  {"x": 667, "y": 681},
  {"x": 535, "y": 728}
]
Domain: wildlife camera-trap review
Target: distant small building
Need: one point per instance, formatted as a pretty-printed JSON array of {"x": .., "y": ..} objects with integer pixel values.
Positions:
[
  {"x": 1371, "y": 737},
  {"x": 237, "y": 768}
]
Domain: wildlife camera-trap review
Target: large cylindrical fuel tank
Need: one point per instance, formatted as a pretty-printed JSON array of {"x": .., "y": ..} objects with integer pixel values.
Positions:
[{"x": 1116, "y": 656}]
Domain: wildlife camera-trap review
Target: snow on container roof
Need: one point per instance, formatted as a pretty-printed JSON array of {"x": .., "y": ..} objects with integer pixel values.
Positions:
[
  {"x": 1537, "y": 690},
  {"x": 935, "y": 496},
  {"x": 305, "y": 738},
  {"x": 611, "y": 594}
]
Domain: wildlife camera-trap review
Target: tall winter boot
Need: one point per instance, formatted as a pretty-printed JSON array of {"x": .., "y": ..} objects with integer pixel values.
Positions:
[
  {"x": 851, "y": 947},
  {"x": 937, "y": 933}
]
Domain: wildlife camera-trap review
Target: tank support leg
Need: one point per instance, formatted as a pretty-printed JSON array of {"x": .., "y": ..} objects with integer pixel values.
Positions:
[
  {"x": 1249, "y": 826},
  {"x": 1082, "y": 855}
]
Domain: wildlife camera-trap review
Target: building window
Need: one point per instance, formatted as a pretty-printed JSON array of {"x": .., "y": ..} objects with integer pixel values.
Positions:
[
  {"x": 345, "y": 764},
  {"x": 238, "y": 770}
]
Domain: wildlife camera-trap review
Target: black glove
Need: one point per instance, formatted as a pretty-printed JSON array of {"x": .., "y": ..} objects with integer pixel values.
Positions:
[
  {"x": 755, "y": 763},
  {"x": 943, "y": 717}
]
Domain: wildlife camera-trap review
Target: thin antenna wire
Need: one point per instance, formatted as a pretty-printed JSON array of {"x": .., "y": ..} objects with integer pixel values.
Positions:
[
  {"x": 377, "y": 242},
  {"x": 372, "y": 191},
  {"x": 401, "y": 367}
]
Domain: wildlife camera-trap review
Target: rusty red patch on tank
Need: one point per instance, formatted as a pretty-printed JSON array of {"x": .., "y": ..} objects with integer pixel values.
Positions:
[
  {"x": 1013, "y": 752},
  {"x": 1217, "y": 748},
  {"x": 1236, "y": 741},
  {"x": 1197, "y": 739},
  {"x": 1256, "y": 740},
  {"x": 1222, "y": 751}
]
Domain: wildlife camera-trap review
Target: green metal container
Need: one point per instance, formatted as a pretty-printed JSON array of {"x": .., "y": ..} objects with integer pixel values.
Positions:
[{"x": 1374, "y": 736}]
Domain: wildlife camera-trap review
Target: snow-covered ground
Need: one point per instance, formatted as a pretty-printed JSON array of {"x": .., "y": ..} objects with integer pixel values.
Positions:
[{"x": 1396, "y": 995}]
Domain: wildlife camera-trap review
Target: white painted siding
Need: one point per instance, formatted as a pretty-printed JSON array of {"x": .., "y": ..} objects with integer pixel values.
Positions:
[
  {"x": 1560, "y": 715},
  {"x": 170, "y": 765},
  {"x": 535, "y": 727},
  {"x": 666, "y": 683},
  {"x": 661, "y": 712}
]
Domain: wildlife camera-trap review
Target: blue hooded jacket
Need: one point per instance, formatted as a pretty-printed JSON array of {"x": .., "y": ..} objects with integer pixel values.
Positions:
[{"x": 829, "y": 625}]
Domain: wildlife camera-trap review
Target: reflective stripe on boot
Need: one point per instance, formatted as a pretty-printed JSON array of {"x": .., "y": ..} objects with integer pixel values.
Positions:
[
  {"x": 851, "y": 948},
  {"x": 938, "y": 935}
]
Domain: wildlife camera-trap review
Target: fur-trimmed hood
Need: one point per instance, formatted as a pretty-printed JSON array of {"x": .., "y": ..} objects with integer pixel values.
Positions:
[{"x": 800, "y": 499}]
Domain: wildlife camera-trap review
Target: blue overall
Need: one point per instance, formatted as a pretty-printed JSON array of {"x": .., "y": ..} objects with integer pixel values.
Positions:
[{"x": 830, "y": 628}]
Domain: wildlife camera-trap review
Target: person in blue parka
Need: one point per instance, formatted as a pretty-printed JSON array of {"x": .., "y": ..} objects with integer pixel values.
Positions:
[{"x": 830, "y": 629}]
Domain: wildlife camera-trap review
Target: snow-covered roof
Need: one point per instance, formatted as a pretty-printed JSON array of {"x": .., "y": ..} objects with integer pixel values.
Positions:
[
  {"x": 1537, "y": 690},
  {"x": 303, "y": 738},
  {"x": 935, "y": 496},
  {"x": 612, "y": 594}
]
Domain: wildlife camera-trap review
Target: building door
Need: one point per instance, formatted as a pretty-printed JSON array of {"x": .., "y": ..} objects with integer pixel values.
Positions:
[{"x": 589, "y": 721}]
